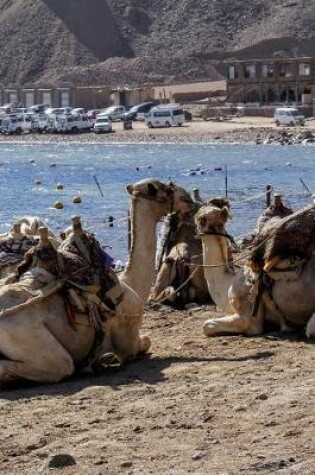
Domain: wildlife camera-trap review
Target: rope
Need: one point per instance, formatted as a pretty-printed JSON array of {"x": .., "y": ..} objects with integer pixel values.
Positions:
[{"x": 38, "y": 295}]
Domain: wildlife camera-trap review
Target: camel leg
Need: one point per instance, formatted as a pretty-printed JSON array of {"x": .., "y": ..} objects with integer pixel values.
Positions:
[
  {"x": 310, "y": 328},
  {"x": 126, "y": 339},
  {"x": 234, "y": 324},
  {"x": 40, "y": 357}
]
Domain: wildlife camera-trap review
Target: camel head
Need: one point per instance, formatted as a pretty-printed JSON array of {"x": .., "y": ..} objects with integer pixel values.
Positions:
[
  {"x": 211, "y": 219},
  {"x": 167, "y": 196}
]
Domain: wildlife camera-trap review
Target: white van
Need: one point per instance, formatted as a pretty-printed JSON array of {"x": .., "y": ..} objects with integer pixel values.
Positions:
[
  {"x": 16, "y": 124},
  {"x": 166, "y": 115},
  {"x": 288, "y": 116}
]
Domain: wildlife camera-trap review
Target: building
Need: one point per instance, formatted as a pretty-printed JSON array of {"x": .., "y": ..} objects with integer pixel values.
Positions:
[{"x": 276, "y": 80}]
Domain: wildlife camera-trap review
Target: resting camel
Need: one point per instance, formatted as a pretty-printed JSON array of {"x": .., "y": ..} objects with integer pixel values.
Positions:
[
  {"x": 287, "y": 303},
  {"x": 14, "y": 243},
  {"x": 37, "y": 340},
  {"x": 183, "y": 252}
]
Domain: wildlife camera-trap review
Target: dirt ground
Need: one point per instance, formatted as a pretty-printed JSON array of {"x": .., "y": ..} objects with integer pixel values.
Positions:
[{"x": 219, "y": 406}]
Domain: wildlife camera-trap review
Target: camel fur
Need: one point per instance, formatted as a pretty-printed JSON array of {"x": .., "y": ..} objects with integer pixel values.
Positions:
[
  {"x": 287, "y": 303},
  {"x": 40, "y": 343}
]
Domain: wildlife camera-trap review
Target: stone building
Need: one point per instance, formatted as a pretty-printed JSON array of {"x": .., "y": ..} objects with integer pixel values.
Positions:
[{"x": 277, "y": 80}]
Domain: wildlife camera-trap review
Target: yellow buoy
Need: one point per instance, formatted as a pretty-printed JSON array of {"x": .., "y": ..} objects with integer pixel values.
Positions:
[
  {"x": 59, "y": 186},
  {"x": 77, "y": 199},
  {"x": 58, "y": 205}
]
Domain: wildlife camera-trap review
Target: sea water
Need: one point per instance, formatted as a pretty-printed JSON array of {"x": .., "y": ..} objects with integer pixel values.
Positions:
[{"x": 249, "y": 169}]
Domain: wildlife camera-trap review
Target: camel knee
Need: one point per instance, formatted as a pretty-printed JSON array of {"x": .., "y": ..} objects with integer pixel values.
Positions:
[
  {"x": 61, "y": 369},
  {"x": 310, "y": 328}
]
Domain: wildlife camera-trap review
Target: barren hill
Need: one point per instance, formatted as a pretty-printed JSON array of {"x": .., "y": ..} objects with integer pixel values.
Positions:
[{"x": 144, "y": 41}]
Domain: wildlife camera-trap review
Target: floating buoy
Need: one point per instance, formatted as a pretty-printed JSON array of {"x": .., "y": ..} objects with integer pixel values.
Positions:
[
  {"x": 37, "y": 182},
  {"x": 58, "y": 205},
  {"x": 217, "y": 169},
  {"x": 32, "y": 161},
  {"x": 59, "y": 186},
  {"x": 52, "y": 164},
  {"x": 77, "y": 199}
]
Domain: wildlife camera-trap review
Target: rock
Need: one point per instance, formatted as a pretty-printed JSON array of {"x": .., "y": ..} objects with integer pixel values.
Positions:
[
  {"x": 126, "y": 464},
  {"x": 59, "y": 461},
  {"x": 262, "y": 397},
  {"x": 198, "y": 455}
]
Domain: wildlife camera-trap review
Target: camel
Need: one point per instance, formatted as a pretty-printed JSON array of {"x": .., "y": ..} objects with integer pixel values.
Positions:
[
  {"x": 22, "y": 235},
  {"x": 183, "y": 249},
  {"x": 288, "y": 303},
  {"x": 37, "y": 340}
]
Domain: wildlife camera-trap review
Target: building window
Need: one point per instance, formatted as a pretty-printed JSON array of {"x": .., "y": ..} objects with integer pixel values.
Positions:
[
  {"x": 285, "y": 70},
  {"x": 232, "y": 72},
  {"x": 304, "y": 69},
  {"x": 65, "y": 98},
  {"x": 267, "y": 71},
  {"x": 250, "y": 71}
]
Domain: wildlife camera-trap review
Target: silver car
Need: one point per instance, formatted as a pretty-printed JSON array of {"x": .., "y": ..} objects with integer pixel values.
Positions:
[{"x": 102, "y": 125}]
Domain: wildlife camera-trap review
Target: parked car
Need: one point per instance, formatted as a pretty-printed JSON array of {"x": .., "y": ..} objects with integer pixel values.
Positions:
[
  {"x": 57, "y": 123},
  {"x": 78, "y": 110},
  {"x": 166, "y": 115},
  {"x": 138, "y": 111},
  {"x": 38, "y": 108},
  {"x": 113, "y": 112},
  {"x": 91, "y": 114},
  {"x": 288, "y": 116},
  {"x": 16, "y": 124},
  {"x": 102, "y": 125},
  {"x": 59, "y": 110}
]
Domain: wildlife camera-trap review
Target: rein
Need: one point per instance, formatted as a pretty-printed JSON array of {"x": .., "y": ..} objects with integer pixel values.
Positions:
[{"x": 218, "y": 233}]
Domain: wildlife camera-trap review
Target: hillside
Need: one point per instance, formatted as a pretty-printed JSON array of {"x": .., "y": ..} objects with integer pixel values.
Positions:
[{"x": 144, "y": 41}]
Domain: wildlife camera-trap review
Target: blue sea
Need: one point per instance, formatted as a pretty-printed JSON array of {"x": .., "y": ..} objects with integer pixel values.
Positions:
[{"x": 202, "y": 166}]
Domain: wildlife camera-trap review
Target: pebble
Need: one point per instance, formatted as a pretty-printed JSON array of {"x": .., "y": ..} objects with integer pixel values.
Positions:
[
  {"x": 262, "y": 397},
  {"x": 59, "y": 461},
  {"x": 198, "y": 455},
  {"x": 126, "y": 464}
]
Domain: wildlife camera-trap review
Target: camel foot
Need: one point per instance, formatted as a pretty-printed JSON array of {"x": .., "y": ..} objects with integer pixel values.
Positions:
[
  {"x": 108, "y": 359},
  {"x": 145, "y": 344},
  {"x": 310, "y": 328},
  {"x": 233, "y": 324}
]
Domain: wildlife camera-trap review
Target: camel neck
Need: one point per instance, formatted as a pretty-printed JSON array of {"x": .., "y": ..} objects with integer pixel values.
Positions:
[
  {"x": 140, "y": 269},
  {"x": 215, "y": 251}
]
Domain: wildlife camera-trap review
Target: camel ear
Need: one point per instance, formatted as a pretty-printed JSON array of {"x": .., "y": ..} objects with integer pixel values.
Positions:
[
  {"x": 129, "y": 188},
  {"x": 225, "y": 213},
  {"x": 152, "y": 190}
]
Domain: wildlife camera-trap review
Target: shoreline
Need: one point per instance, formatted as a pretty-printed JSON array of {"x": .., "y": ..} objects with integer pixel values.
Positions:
[{"x": 244, "y": 130}]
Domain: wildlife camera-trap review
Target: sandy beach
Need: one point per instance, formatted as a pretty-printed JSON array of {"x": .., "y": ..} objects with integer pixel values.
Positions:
[{"x": 236, "y": 130}]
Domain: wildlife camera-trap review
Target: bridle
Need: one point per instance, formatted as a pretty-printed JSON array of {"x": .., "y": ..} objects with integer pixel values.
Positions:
[{"x": 218, "y": 233}]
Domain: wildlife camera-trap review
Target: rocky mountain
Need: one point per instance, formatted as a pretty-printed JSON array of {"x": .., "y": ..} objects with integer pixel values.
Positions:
[{"x": 122, "y": 42}]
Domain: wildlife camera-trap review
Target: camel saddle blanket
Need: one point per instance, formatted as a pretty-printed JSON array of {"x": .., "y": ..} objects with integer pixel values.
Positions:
[
  {"x": 290, "y": 237},
  {"x": 83, "y": 262},
  {"x": 294, "y": 236},
  {"x": 13, "y": 250}
]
